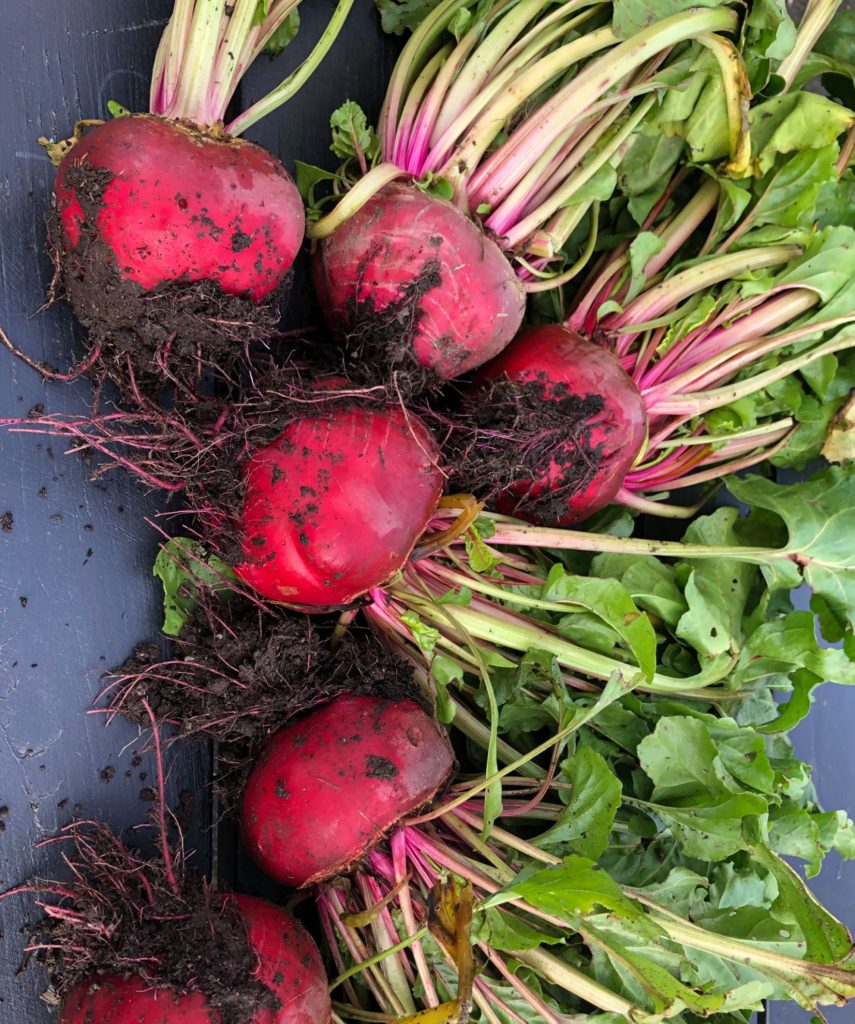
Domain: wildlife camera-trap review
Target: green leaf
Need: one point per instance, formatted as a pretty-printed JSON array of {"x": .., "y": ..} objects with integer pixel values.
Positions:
[
  {"x": 182, "y": 565},
  {"x": 285, "y": 34},
  {"x": 742, "y": 754},
  {"x": 717, "y": 590},
  {"x": 642, "y": 249},
  {"x": 788, "y": 196},
  {"x": 783, "y": 645},
  {"x": 508, "y": 932},
  {"x": 444, "y": 672},
  {"x": 651, "y": 584},
  {"x": 711, "y": 829},
  {"x": 636, "y": 950},
  {"x": 631, "y": 16},
  {"x": 820, "y": 518},
  {"x": 610, "y": 602},
  {"x": 768, "y": 35},
  {"x": 737, "y": 886},
  {"x": 796, "y": 832},
  {"x": 679, "y": 757},
  {"x": 308, "y": 177},
  {"x": 352, "y": 136},
  {"x": 587, "y": 820},
  {"x": 827, "y": 940},
  {"x": 117, "y": 110},
  {"x": 792, "y": 122},
  {"x": 399, "y": 16},
  {"x": 568, "y": 890},
  {"x": 481, "y": 558},
  {"x": 425, "y": 636}
]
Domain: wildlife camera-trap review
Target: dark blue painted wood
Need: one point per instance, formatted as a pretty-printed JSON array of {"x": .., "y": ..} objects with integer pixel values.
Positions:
[
  {"x": 80, "y": 553},
  {"x": 75, "y": 588}
]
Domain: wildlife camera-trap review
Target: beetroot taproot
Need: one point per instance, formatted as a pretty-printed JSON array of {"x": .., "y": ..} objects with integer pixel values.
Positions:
[
  {"x": 289, "y": 967},
  {"x": 559, "y": 425},
  {"x": 113, "y": 999},
  {"x": 335, "y": 505},
  {"x": 414, "y": 283},
  {"x": 147, "y": 204},
  {"x": 330, "y": 785},
  {"x": 172, "y": 237}
]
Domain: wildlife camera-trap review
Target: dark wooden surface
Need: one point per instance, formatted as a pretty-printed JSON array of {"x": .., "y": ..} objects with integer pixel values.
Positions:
[{"x": 75, "y": 586}]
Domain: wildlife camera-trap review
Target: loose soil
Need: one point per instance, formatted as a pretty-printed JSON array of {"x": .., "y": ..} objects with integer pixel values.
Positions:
[{"x": 237, "y": 673}]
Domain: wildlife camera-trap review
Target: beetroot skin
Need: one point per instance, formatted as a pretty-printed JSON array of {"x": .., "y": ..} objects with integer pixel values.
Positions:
[
  {"x": 289, "y": 965},
  {"x": 586, "y": 464},
  {"x": 145, "y": 204},
  {"x": 330, "y": 785},
  {"x": 334, "y": 506},
  {"x": 414, "y": 282}
]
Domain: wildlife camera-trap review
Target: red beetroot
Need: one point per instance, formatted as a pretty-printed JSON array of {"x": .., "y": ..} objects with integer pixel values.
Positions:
[
  {"x": 289, "y": 965},
  {"x": 329, "y": 786},
  {"x": 173, "y": 238},
  {"x": 585, "y": 464},
  {"x": 173, "y": 203},
  {"x": 419, "y": 283},
  {"x": 112, "y": 999},
  {"x": 335, "y": 505}
]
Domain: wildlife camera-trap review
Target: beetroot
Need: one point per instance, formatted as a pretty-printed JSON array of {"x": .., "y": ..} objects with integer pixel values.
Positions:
[
  {"x": 503, "y": 113},
  {"x": 335, "y": 505},
  {"x": 560, "y": 423},
  {"x": 173, "y": 238},
  {"x": 161, "y": 220},
  {"x": 289, "y": 966},
  {"x": 417, "y": 284},
  {"x": 112, "y": 999},
  {"x": 329, "y": 786}
]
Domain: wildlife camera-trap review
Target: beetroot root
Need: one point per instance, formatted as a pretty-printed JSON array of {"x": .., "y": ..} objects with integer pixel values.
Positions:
[
  {"x": 559, "y": 424},
  {"x": 335, "y": 505},
  {"x": 169, "y": 229},
  {"x": 329, "y": 786},
  {"x": 415, "y": 285},
  {"x": 289, "y": 966},
  {"x": 113, "y": 999}
]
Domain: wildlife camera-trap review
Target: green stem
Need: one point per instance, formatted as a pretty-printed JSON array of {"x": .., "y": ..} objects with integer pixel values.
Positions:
[
  {"x": 477, "y": 69},
  {"x": 696, "y": 405},
  {"x": 294, "y": 82},
  {"x": 522, "y": 535},
  {"x": 559, "y": 972},
  {"x": 410, "y": 64},
  {"x": 366, "y": 188},
  {"x": 674, "y": 290},
  {"x": 200, "y": 55},
  {"x": 587, "y": 88},
  {"x": 737, "y": 92},
  {"x": 564, "y": 195},
  {"x": 469, "y": 151},
  {"x": 815, "y": 21},
  {"x": 377, "y": 959},
  {"x": 838, "y": 981}
]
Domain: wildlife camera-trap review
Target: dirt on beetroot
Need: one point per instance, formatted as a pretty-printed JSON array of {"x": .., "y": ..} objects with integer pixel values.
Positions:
[
  {"x": 376, "y": 346},
  {"x": 143, "y": 341},
  {"x": 238, "y": 673},
  {"x": 505, "y": 437},
  {"x": 125, "y": 918}
]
